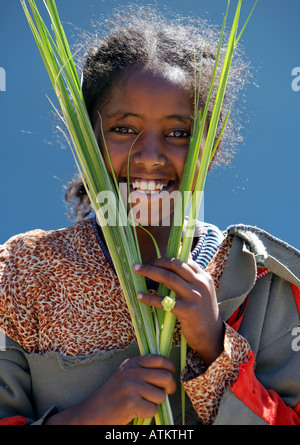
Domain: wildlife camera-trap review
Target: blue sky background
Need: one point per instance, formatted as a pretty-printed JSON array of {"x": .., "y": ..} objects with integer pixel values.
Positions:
[{"x": 261, "y": 186}]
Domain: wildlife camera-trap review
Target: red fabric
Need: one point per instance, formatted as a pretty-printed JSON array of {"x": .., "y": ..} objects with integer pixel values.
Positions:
[
  {"x": 15, "y": 420},
  {"x": 261, "y": 272},
  {"x": 234, "y": 321},
  {"x": 296, "y": 292},
  {"x": 265, "y": 403},
  {"x": 297, "y": 409}
]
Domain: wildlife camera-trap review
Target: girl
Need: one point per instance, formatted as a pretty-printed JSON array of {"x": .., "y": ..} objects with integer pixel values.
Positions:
[{"x": 70, "y": 355}]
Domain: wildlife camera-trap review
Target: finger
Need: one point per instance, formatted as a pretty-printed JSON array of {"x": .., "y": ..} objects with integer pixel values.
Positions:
[
  {"x": 151, "y": 300},
  {"x": 194, "y": 266},
  {"x": 186, "y": 287},
  {"x": 151, "y": 393},
  {"x": 156, "y": 361},
  {"x": 156, "y": 301},
  {"x": 186, "y": 271},
  {"x": 161, "y": 382},
  {"x": 155, "y": 370},
  {"x": 170, "y": 279},
  {"x": 143, "y": 401},
  {"x": 145, "y": 409},
  {"x": 189, "y": 272}
]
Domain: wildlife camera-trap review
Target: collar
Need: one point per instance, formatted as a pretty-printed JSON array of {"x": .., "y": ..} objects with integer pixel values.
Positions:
[
  {"x": 270, "y": 252},
  {"x": 253, "y": 248}
]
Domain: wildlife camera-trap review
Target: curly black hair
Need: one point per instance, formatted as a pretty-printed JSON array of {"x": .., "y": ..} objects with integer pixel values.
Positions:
[{"x": 142, "y": 36}]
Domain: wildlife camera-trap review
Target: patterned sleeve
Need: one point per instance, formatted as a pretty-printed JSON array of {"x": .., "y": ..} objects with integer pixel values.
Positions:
[
  {"x": 206, "y": 386},
  {"x": 17, "y": 290}
]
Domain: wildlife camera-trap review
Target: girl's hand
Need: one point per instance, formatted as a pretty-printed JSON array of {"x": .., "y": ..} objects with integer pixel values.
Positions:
[
  {"x": 196, "y": 303},
  {"x": 136, "y": 389}
]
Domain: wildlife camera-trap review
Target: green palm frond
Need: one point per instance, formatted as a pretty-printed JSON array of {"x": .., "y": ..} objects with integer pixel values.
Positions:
[{"x": 121, "y": 238}]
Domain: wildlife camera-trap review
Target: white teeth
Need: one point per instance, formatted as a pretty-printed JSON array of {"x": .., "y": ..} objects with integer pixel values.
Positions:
[
  {"x": 143, "y": 185},
  {"x": 149, "y": 185}
]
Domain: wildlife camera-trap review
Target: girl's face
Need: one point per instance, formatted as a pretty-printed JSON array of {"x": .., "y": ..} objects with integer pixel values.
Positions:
[{"x": 148, "y": 118}]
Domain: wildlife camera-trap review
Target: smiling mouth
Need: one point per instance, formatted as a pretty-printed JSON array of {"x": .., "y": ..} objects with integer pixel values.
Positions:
[{"x": 149, "y": 185}]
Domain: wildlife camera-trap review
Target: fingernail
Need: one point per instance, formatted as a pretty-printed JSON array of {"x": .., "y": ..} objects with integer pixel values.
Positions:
[
  {"x": 137, "y": 266},
  {"x": 139, "y": 296}
]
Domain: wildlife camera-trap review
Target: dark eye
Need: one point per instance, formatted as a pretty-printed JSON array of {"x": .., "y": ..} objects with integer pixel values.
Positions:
[
  {"x": 123, "y": 129},
  {"x": 179, "y": 134}
]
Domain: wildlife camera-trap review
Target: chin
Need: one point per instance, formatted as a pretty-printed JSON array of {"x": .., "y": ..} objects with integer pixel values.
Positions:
[{"x": 151, "y": 209}]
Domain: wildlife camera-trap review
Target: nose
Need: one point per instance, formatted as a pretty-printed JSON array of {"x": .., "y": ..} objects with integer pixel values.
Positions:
[{"x": 148, "y": 152}]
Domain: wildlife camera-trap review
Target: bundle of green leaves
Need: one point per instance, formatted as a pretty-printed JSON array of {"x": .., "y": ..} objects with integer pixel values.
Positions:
[{"x": 153, "y": 328}]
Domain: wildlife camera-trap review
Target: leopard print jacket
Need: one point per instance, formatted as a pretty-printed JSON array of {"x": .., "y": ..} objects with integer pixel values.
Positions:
[{"x": 47, "y": 304}]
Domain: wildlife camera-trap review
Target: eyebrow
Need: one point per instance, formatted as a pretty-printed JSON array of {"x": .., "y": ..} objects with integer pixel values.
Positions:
[
  {"x": 179, "y": 117},
  {"x": 119, "y": 115},
  {"x": 122, "y": 115}
]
